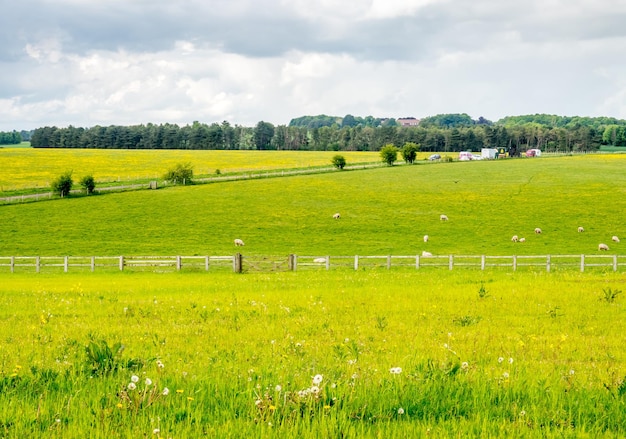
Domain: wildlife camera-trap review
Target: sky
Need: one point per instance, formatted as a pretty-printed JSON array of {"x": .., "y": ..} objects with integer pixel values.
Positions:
[{"x": 126, "y": 62}]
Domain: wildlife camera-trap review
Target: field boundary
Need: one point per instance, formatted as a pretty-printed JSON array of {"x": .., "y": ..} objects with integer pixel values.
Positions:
[
  {"x": 239, "y": 263},
  {"x": 154, "y": 184}
]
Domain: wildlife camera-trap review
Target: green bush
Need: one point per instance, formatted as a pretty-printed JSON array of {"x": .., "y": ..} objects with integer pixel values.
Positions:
[
  {"x": 339, "y": 161},
  {"x": 409, "y": 152},
  {"x": 182, "y": 173},
  {"x": 389, "y": 154},
  {"x": 63, "y": 184},
  {"x": 88, "y": 183}
]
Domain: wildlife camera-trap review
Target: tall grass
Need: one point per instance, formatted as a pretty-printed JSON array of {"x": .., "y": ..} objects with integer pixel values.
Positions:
[{"x": 400, "y": 354}]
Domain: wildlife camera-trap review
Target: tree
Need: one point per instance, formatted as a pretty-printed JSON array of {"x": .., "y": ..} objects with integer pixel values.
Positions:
[
  {"x": 63, "y": 184},
  {"x": 181, "y": 173},
  {"x": 409, "y": 152},
  {"x": 389, "y": 154},
  {"x": 263, "y": 134},
  {"x": 88, "y": 183},
  {"x": 339, "y": 161}
]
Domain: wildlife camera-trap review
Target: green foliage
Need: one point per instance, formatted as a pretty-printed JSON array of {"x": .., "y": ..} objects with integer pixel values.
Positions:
[
  {"x": 339, "y": 161},
  {"x": 609, "y": 294},
  {"x": 182, "y": 173},
  {"x": 102, "y": 359},
  {"x": 88, "y": 183},
  {"x": 63, "y": 184},
  {"x": 482, "y": 292},
  {"x": 409, "y": 152},
  {"x": 389, "y": 154}
]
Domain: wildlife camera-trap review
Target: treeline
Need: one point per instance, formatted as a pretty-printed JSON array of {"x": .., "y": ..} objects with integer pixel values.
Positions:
[
  {"x": 10, "y": 138},
  {"x": 441, "y": 133}
]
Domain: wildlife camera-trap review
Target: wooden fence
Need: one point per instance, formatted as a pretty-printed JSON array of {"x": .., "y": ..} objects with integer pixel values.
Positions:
[{"x": 239, "y": 263}]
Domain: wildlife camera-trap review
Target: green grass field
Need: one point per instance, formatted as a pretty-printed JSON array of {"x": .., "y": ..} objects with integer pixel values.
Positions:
[
  {"x": 342, "y": 353},
  {"x": 383, "y": 211}
]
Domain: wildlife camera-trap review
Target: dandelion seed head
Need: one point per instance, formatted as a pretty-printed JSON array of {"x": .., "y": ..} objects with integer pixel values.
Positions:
[
  {"x": 134, "y": 379},
  {"x": 317, "y": 379},
  {"x": 500, "y": 359},
  {"x": 132, "y": 386},
  {"x": 278, "y": 388},
  {"x": 166, "y": 391},
  {"x": 400, "y": 411},
  {"x": 511, "y": 360},
  {"x": 522, "y": 413},
  {"x": 395, "y": 370},
  {"x": 148, "y": 382},
  {"x": 571, "y": 372},
  {"x": 156, "y": 431},
  {"x": 505, "y": 375},
  {"x": 464, "y": 365}
]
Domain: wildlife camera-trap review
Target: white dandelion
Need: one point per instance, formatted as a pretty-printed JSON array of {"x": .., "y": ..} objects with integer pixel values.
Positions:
[
  {"x": 134, "y": 379},
  {"x": 500, "y": 359},
  {"x": 148, "y": 382},
  {"x": 132, "y": 386},
  {"x": 166, "y": 391},
  {"x": 317, "y": 379},
  {"x": 395, "y": 370},
  {"x": 400, "y": 411}
]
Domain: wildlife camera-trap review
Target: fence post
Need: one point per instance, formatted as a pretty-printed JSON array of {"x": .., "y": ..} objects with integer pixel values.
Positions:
[
  {"x": 548, "y": 264},
  {"x": 37, "y": 264},
  {"x": 178, "y": 263},
  {"x": 388, "y": 262},
  {"x": 482, "y": 262},
  {"x": 514, "y": 263},
  {"x": 614, "y": 262},
  {"x": 292, "y": 262},
  {"x": 93, "y": 264},
  {"x": 237, "y": 263},
  {"x": 582, "y": 263},
  {"x": 206, "y": 263},
  {"x": 12, "y": 264},
  {"x": 356, "y": 262},
  {"x": 417, "y": 262},
  {"x": 451, "y": 263},
  {"x": 121, "y": 263},
  {"x": 327, "y": 262},
  {"x": 66, "y": 263}
]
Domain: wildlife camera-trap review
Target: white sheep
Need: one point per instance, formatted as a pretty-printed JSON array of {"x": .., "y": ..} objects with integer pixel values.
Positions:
[
  {"x": 425, "y": 238},
  {"x": 426, "y": 254},
  {"x": 581, "y": 229},
  {"x": 336, "y": 216},
  {"x": 603, "y": 247},
  {"x": 443, "y": 217},
  {"x": 514, "y": 238},
  {"x": 615, "y": 239},
  {"x": 522, "y": 240},
  {"x": 239, "y": 243},
  {"x": 537, "y": 230}
]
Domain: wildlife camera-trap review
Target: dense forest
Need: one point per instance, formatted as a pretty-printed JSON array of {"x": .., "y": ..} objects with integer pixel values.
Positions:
[
  {"x": 11, "y": 138},
  {"x": 441, "y": 133}
]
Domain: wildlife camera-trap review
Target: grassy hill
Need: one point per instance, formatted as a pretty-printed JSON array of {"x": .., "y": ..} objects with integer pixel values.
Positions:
[{"x": 383, "y": 211}]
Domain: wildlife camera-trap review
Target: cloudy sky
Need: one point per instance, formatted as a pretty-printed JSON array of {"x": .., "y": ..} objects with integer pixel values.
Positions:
[{"x": 123, "y": 62}]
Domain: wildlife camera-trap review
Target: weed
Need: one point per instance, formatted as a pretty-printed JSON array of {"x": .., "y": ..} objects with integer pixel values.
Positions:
[
  {"x": 466, "y": 320},
  {"x": 103, "y": 359},
  {"x": 610, "y": 294}
]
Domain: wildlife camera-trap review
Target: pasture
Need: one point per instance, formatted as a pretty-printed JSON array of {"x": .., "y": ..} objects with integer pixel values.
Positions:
[
  {"x": 398, "y": 354},
  {"x": 383, "y": 211},
  {"x": 36, "y": 168},
  {"x": 342, "y": 353}
]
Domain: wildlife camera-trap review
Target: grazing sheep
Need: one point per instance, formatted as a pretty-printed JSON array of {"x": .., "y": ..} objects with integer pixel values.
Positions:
[
  {"x": 426, "y": 254},
  {"x": 425, "y": 238},
  {"x": 443, "y": 217},
  {"x": 514, "y": 238},
  {"x": 239, "y": 243},
  {"x": 581, "y": 229},
  {"x": 538, "y": 231},
  {"x": 319, "y": 260},
  {"x": 522, "y": 240},
  {"x": 603, "y": 247},
  {"x": 615, "y": 239},
  {"x": 336, "y": 216}
]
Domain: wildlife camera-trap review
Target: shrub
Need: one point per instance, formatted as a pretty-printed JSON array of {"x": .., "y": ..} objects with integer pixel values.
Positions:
[
  {"x": 409, "y": 152},
  {"x": 182, "y": 173},
  {"x": 88, "y": 183},
  {"x": 389, "y": 154},
  {"x": 63, "y": 184},
  {"x": 339, "y": 161}
]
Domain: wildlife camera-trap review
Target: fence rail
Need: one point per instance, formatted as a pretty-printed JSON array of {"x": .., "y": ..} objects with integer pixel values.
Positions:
[{"x": 239, "y": 263}]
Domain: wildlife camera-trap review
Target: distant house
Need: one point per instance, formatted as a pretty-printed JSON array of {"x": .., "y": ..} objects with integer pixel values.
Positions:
[{"x": 408, "y": 121}]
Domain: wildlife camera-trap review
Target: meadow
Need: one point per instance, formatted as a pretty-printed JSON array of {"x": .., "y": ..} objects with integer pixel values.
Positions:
[
  {"x": 342, "y": 353},
  {"x": 330, "y": 354},
  {"x": 26, "y": 168},
  {"x": 383, "y": 211}
]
